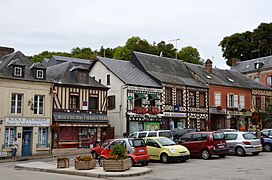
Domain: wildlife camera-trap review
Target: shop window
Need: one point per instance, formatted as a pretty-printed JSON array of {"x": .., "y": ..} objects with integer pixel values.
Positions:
[
  {"x": 38, "y": 104},
  {"x": 202, "y": 99},
  {"x": 217, "y": 99},
  {"x": 111, "y": 102},
  {"x": 16, "y": 103},
  {"x": 43, "y": 137},
  {"x": 192, "y": 99},
  {"x": 74, "y": 101},
  {"x": 168, "y": 96},
  {"x": 180, "y": 97},
  {"x": 10, "y": 133},
  {"x": 93, "y": 103}
]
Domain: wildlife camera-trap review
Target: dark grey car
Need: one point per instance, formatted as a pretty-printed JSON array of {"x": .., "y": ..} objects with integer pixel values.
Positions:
[{"x": 241, "y": 143}]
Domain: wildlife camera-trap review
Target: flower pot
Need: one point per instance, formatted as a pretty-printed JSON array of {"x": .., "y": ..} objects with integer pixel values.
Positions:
[
  {"x": 85, "y": 165},
  {"x": 62, "y": 162},
  {"x": 117, "y": 165}
]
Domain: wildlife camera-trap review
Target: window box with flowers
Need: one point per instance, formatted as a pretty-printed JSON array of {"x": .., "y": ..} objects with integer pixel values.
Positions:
[
  {"x": 84, "y": 162},
  {"x": 153, "y": 110},
  {"x": 140, "y": 110},
  {"x": 117, "y": 161}
]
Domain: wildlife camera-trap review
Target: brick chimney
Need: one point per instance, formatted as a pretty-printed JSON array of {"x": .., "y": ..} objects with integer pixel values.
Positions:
[
  {"x": 5, "y": 50},
  {"x": 208, "y": 66}
]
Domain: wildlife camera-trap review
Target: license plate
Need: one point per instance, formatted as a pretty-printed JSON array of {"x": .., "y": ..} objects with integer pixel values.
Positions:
[{"x": 141, "y": 150}]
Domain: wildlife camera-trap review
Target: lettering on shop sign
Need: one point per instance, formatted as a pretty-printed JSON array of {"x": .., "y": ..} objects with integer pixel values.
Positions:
[
  {"x": 169, "y": 114},
  {"x": 74, "y": 117},
  {"x": 16, "y": 121}
]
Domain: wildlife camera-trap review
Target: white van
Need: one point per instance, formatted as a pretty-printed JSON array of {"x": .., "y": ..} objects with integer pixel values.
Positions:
[{"x": 157, "y": 133}]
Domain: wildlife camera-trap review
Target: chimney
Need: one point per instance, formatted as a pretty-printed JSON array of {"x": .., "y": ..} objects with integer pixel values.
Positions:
[
  {"x": 208, "y": 66},
  {"x": 234, "y": 61},
  {"x": 5, "y": 50}
]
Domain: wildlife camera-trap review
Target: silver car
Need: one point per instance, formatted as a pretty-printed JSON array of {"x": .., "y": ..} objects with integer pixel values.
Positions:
[{"x": 241, "y": 143}]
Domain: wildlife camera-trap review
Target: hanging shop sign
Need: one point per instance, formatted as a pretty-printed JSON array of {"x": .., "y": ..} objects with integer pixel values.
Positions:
[{"x": 17, "y": 121}]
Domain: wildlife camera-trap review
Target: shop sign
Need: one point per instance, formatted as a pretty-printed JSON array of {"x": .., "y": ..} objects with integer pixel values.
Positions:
[
  {"x": 172, "y": 114},
  {"x": 17, "y": 121},
  {"x": 151, "y": 126},
  {"x": 3, "y": 154},
  {"x": 81, "y": 117},
  {"x": 84, "y": 105},
  {"x": 82, "y": 125},
  {"x": 238, "y": 113}
]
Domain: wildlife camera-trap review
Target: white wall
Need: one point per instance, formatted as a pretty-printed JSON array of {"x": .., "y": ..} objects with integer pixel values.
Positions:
[{"x": 117, "y": 117}]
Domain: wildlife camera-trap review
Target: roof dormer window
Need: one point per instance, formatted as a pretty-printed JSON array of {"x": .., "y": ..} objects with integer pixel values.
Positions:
[
  {"x": 18, "y": 71},
  {"x": 39, "y": 74}
]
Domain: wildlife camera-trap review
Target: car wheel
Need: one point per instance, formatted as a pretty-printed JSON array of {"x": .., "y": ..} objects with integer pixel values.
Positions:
[
  {"x": 145, "y": 163},
  {"x": 101, "y": 161},
  {"x": 164, "y": 158},
  {"x": 222, "y": 155},
  {"x": 94, "y": 154},
  {"x": 255, "y": 153},
  {"x": 132, "y": 161},
  {"x": 240, "y": 151},
  {"x": 205, "y": 154},
  {"x": 267, "y": 147}
]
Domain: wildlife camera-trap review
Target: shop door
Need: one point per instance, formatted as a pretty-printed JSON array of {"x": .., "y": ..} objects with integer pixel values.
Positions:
[{"x": 26, "y": 141}]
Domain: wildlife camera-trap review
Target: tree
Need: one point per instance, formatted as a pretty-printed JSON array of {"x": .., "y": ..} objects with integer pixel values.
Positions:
[
  {"x": 47, "y": 54},
  {"x": 83, "y": 53},
  {"x": 248, "y": 45},
  {"x": 167, "y": 50},
  {"x": 190, "y": 54}
]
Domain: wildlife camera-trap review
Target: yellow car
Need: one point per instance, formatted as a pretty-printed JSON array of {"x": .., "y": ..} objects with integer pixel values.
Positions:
[{"x": 166, "y": 150}]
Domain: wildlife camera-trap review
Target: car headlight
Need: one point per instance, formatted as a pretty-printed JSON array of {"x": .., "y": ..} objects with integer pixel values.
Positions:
[{"x": 173, "y": 151}]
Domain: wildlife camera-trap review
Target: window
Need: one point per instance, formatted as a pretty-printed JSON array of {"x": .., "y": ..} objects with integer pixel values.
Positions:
[
  {"x": 83, "y": 77},
  {"x": 192, "y": 97},
  {"x": 99, "y": 80},
  {"x": 16, "y": 103},
  {"x": 230, "y": 100},
  {"x": 242, "y": 101},
  {"x": 217, "y": 99},
  {"x": 179, "y": 97},
  {"x": 9, "y": 136},
  {"x": 152, "y": 134},
  {"x": 202, "y": 99},
  {"x": 38, "y": 104},
  {"x": 151, "y": 142},
  {"x": 134, "y": 135},
  {"x": 42, "y": 137},
  {"x": 168, "y": 96},
  {"x": 231, "y": 136},
  {"x": 192, "y": 123},
  {"x": 141, "y": 135},
  {"x": 18, "y": 71},
  {"x": 196, "y": 137},
  {"x": 111, "y": 102},
  {"x": 93, "y": 103},
  {"x": 108, "y": 80},
  {"x": 186, "y": 138},
  {"x": 257, "y": 79},
  {"x": 267, "y": 102},
  {"x": 40, "y": 74},
  {"x": 74, "y": 101},
  {"x": 258, "y": 103},
  {"x": 269, "y": 80}
]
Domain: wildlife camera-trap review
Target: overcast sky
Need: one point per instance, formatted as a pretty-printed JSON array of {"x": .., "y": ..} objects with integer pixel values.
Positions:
[{"x": 33, "y": 26}]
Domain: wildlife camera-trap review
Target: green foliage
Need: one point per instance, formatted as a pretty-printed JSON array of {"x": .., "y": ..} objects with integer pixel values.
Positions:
[
  {"x": 118, "y": 152},
  {"x": 83, "y": 53},
  {"x": 248, "y": 45},
  {"x": 47, "y": 54},
  {"x": 190, "y": 54}
]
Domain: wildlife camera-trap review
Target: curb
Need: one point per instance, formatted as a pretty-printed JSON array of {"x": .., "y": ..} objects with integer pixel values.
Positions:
[{"x": 86, "y": 174}]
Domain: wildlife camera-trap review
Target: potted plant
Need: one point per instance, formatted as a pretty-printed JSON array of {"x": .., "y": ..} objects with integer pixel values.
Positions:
[
  {"x": 62, "y": 162},
  {"x": 84, "y": 162},
  {"x": 117, "y": 160}
]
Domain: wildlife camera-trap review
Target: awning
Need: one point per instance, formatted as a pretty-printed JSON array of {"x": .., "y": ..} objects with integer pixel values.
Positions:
[
  {"x": 140, "y": 96},
  {"x": 154, "y": 96}
]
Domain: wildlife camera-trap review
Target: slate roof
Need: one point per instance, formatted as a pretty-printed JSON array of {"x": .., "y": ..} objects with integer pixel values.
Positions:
[
  {"x": 248, "y": 66},
  {"x": 128, "y": 73},
  {"x": 64, "y": 74},
  {"x": 18, "y": 59},
  {"x": 54, "y": 60},
  {"x": 165, "y": 70},
  {"x": 223, "y": 77}
]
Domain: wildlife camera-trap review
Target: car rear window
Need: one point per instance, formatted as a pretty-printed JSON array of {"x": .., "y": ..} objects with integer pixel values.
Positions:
[
  {"x": 249, "y": 136},
  {"x": 165, "y": 134},
  {"x": 137, "y": 143},
  {"x": 152, "y": 134},
  {"x": 218, "y": 136},
  {"x": 141, "y": 135}
]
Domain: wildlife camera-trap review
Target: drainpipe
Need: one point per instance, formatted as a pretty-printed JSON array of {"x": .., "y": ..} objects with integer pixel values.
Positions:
[{"x": 123, "y": 122}]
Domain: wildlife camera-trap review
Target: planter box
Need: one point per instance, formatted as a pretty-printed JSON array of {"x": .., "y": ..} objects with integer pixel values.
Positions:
[
  {"x": 85, "y": 165},
  {"x": 117, "y": 165},
  {"x": 62, "y": 163}
]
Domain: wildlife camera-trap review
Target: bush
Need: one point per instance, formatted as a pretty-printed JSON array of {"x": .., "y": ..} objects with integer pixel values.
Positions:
[{"x": 118, "y": 152}]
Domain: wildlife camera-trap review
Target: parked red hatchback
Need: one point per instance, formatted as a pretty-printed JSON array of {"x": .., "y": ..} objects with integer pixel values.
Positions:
[
  {"x": 205, "y": 144},
  {"x": 135, "y": 147},
  {"x": 96, "y": 151}
]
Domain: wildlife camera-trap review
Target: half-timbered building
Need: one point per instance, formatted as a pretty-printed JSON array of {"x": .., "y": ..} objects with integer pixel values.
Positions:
[
  {"x": 134, "y": 99},
  {"x": 184, "y": 99},
  {"x": 79, "y": 107}
]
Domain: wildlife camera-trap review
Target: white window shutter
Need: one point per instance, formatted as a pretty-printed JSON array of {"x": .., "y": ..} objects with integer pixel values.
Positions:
[{"x": 235, "y": 101}]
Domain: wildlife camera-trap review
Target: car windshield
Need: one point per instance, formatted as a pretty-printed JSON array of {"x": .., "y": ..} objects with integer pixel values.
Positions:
[
  {"x": 137, "y": 143},
  {"x": 249, "y": 136},
  {"x": 218, "y": 136},
  {"x": 165, "y": 141}
]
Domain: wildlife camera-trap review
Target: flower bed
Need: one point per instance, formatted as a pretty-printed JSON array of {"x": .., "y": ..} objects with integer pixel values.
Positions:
[
  {"x": 116, "y": 165},
  {"x": 84, "y": 162}
]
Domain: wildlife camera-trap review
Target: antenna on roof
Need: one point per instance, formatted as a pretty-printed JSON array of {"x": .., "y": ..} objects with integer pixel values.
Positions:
[{"x": 176, "y": 46}]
